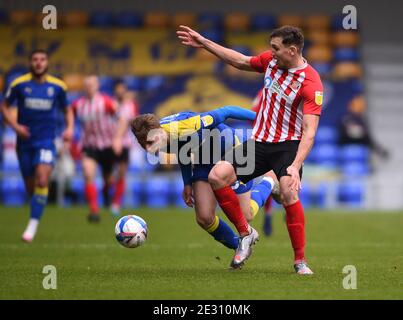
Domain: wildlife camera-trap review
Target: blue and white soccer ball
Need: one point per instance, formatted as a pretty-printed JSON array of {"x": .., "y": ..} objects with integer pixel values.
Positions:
[{"x": 131, "y": 231}]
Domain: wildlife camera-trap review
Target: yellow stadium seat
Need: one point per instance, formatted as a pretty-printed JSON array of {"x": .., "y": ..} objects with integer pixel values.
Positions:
[
  {"x": 156, "y": 20},
  {"x": 183, "y": 18},
  {"x": 21, "y": 17},
  {"x": 346, "y": 70},
  {"x": 319, "y": 37},
  {"x": 74, "y": 19},
  {"x": 74, "y": 81},
  {"x": 204, "y": 55},
  {"x": 1, "y": 83},
  {"x": 290, "y": 20},
  {"x": 317, "y": 22},
  {"x": 358, "y": 104},
  {"x": 319, "y": 54},
  {"x": 237, "y": 22},
  {"x": 345, "y": 39}
]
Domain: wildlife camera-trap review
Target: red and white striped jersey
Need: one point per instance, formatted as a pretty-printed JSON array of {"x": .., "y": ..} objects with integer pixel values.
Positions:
[
  {"x": 97, "y": 120},
  {"x": 287, "y": 95},
  {"x": 127, "y": 110}
]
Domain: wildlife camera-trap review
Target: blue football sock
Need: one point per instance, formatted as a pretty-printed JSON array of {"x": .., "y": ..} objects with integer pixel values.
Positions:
[
  {"x": 223, "y": 233},
  {"x": 260, "y": 193},
  {"x": 38, "y": 202}
]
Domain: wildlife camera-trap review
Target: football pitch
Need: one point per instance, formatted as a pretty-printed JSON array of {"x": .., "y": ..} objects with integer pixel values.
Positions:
[{"x": 181, "y": 261}]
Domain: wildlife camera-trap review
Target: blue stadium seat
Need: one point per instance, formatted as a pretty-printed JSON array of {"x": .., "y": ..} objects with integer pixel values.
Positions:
[
  {"x": 77, "y": 186},
  {"x": 128, "y": 20},
  {"x": 351, "y": 193},
  {"x": 306, "y": 195},
  {"x": 263, "y": 22},
  {"x": 134, "y": 192},
  {"x": 10, "y": 165},
  {"x": 243, "y": 49},
  {"x": 154, "y": 82},
  {"x": 157, "y": 191},
  {"x": 133, "y": 83},
  {"x": 106, "y": 84},
  {"x": 73, "y": 95},
  {"x": 210, "y": 20},
  {"x": 13, "y": 191},
  {"x": 354, "y": 153},
  {"x": 3, "y": 17},
  {"x": 101, "y": 19},
  {"x": 327, "y": 134},
  {"x": 355, "y": 169},
  {"x": 213, "y": 35},
  {"x": 322, "y": 67},
  {"x": 337, "y": 22},
  {"x": 346, "y": 54},
  {"x": 325, "y": 154}
]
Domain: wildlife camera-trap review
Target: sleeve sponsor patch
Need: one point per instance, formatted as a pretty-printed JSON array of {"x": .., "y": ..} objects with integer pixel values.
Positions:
[
  {"x": 319, "y": 98},
  {"x": 207, "y": 120}
]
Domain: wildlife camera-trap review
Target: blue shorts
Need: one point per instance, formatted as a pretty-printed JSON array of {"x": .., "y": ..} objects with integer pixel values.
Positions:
[
  {"x": 201, "y": 172},
  {"x": 30, "y": 156}
]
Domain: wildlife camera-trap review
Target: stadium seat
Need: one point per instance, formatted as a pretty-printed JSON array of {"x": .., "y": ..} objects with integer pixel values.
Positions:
[
  {"x": 74, "y": 19},
  {"x": 347, "y": 70},
  {"x": 13, "y": 191},
  {"x": 134, "y": 193},
  {"x": 77, "y": 187},
  {"x": 21, "y": 17},
  {"x": 327, "y": 134},
  {"x": 355, "y": 169},
  {"x": 101, "y": 19},
  {"x": 319, "y": 53},
  {"x": 72, "y": 96},
  {"x": 337, "y": 22},
  {"x": 128, "y": 20},
  {"x": 237, "y": 22},
  {"x": 306, "y": 195},
  {"x": 106, "y": 84},
  {"x": 156, "y": 20},
  {"x": 154, "y": 82},
  {"x": 323, "y": 68},
  {"x": 317, "y": 22},
  {"x": 345, "y": 54},
  {"x": 176, "y": 192},
  {"x": 2, "y": 84},
  {"x": 345, "y": 39},
  {"x": 351, "y": 193},
  {"x": 210, "y": 20},
  {"x": 213, "y": 35},
  {"x": 242, "y": 49},
  {"x": 354, "y": 153},
  {"x": 74, "y": 81},
  {"x": 3, "y": 17},
  {"x": 318, "y": 37},
  {"x": 133, "y": 83},
  {"x": 183, "y": 18},
  {"x": 157, "y": 189},
  {"x": 290, "y": 20},
  {"x": 263, "y": 22},
  {"x": 325, "y": 154}
]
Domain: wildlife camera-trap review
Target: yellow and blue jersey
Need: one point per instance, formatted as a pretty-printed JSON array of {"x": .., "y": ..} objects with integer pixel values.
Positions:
[{"x": 38, "y": 104}]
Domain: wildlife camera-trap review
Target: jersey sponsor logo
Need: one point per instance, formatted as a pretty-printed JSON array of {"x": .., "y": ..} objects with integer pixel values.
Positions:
[
  {"x": 51, "y": 91},
  {"x": 295, "y": 85},
  {"x": 28, "y": 90},
  {"x": 207, "y": 120},
  {"x": 319, "y": 97},
  {"x": 38, "y": 104},
  {"x": 268, "y": 82}
]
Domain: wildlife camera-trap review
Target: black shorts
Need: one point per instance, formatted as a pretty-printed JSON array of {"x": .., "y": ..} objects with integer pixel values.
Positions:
[
  {"x": 105, "y": 158},
  {"x": 253, "y": 159},
  {"x": 124, "y": 156}
]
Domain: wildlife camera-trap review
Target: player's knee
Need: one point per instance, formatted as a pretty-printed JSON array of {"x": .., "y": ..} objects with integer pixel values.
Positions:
[
  {"x": 42, "y": 182},
  {"x": 204, "y": 221},
  {"x": 221, "y": 174},
  {"x": 289, "y": 197}
]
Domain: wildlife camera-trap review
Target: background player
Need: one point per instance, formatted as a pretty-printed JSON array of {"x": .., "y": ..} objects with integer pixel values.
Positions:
[
  {"x": 156, "y": 135},
  {"x": 127, "y": 110},
  {"x": 38, "y": 96},
  {"x": 96, "y": 113},
  {"x": 283, "y": 132}
]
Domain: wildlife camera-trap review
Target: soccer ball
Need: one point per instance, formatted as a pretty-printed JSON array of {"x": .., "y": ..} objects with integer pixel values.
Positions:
[{"x": 131, "y": 231}]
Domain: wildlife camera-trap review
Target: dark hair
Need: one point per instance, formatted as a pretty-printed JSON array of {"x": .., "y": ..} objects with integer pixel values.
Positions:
[
  {"x": 142, "y": 125},
  {"x": 290, "y": 35},
  {"x": 35, "y": 51},
  {"x": 119, "y": 82}
]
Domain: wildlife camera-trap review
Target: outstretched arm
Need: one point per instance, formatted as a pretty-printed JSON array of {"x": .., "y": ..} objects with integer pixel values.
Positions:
[
  {"x": 192, "y": 38},
  {"x": 233, "y": 112}
]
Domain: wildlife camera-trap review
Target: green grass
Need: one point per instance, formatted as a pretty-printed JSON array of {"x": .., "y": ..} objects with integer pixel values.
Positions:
[{"x": 180, "y": 261}]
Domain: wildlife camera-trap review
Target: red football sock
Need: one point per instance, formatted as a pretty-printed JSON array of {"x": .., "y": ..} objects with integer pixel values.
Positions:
[
  {"x": 92, "y": 197},
  {"x": 296, "y": 229},
  {"x": 119, "y": 192},
  {"x": 229, "y": 203}
]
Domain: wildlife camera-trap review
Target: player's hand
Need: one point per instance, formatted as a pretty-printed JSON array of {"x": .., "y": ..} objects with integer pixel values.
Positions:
[
  {"x": 295, "y": 183},
  {"x": 190, "y": 37},
  {"x": 22, "y": 131},
  {"x": 187, "y": 195},
  {"x": 117, "y": 146},
  {"x": 67, "y": 135}
]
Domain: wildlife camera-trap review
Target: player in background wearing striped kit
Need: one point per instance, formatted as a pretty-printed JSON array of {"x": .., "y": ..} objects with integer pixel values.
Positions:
[
  {"x": 283, "y": 134},
  {"x": 37, "y": 96},
  {"x": 127, "y": 111},
  {"x": 96, "y": 113}
]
